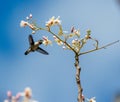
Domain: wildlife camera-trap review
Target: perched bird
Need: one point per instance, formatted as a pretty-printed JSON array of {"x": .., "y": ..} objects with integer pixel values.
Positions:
[{"x": 34, "y": 46}]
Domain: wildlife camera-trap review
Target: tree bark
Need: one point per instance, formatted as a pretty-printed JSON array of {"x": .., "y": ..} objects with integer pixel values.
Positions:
[{"x": 78, "y": 70}]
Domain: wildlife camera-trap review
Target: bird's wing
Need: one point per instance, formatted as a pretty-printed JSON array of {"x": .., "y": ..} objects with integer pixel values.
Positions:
[
  {"x": 42, "y": 51},
  {"x": 31, "y": 41}
]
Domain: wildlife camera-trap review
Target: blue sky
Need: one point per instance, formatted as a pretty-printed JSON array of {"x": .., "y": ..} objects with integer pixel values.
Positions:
[{"x": 52, "y": 77}]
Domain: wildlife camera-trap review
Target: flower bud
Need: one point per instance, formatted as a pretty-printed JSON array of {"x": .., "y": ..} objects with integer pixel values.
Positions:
[
  {"x": 9, "y": 94},
  {"x": 30, "y": 15},
  {"x": 28, "y": 92}
]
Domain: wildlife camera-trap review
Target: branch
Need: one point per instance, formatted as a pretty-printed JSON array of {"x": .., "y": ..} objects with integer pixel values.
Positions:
[
  {"x": 82, "y": 53},
  {"x": 78, "y": 81},
  {"x": 59, "y": 39}
]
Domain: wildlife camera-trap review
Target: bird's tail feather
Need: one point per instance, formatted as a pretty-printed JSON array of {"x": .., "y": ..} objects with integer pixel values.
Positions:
[{"x": 27, "y": 52}]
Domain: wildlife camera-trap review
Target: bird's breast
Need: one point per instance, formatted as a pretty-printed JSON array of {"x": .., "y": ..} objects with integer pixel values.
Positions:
[{"x": 35, "y": 46}]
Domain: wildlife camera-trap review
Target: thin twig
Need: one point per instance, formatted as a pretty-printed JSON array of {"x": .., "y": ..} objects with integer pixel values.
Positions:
[{"x": 82, "y": 53}]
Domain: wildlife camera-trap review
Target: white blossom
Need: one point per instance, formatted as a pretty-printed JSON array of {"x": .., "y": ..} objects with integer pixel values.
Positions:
[
  {"x": 59, "y": 42},
  {"x": 57, "y": 20},
  {"x": 18, "y": 95},
  {"x": 13, "y": 99},
  {"x": 25, "y": 96},
  {"x": 23, "y": 23},
  {"x": 28, "y": 92},
  {"x": 27, "y": 18},
  {"x": 66, "y": 32},
  {"x": 46, "y": 41},
  {"x": 6, "y": 100},
  {"x": 64, "y": 47},
  {"x": 9, "y": 94},
  {"x": 75, "y": 32},
  {"x": 33, "y": 32},
  {"x": 93, "y": 99},
  {"x": 32, "y": 26},
  {"x": 52, "y": 21},
  {"x": 30, "y": 15},
  {"x": 76, "y": 44}
]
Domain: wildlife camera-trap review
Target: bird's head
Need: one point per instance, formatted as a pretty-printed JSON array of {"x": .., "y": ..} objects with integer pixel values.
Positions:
[{"x": 40, "y": 41}]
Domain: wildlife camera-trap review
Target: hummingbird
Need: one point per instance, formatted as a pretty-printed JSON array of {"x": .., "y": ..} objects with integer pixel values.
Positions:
[{"x": 34, "y": 46}]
